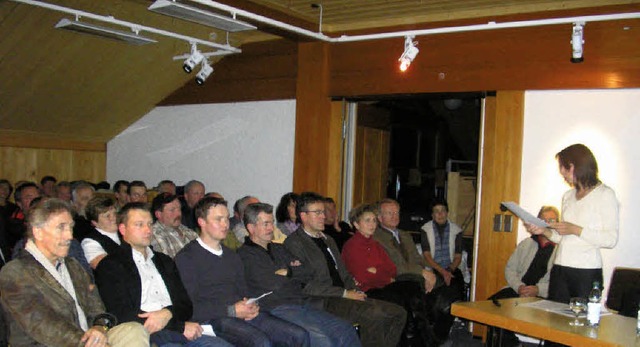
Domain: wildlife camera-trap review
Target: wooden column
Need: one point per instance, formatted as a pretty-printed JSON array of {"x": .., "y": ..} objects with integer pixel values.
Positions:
[
  {"x": 315, "y": 127},
  {"x": 501, "y": 172}
]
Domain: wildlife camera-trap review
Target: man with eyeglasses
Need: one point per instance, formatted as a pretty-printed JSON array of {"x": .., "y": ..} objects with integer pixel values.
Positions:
[
  {"x": 137, "y": 192},
  {"x": 528, "y": 269},
  {"x": 326, "y": 277}
]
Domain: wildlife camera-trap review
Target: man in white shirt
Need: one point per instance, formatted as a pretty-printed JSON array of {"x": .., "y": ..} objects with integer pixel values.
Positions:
[
  {"x": 101, "y": 212},
  {"x": 140, "y": 285}
]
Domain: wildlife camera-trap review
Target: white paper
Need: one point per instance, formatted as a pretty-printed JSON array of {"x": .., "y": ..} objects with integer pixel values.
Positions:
[
  {"x": 524, "y": 215},
  {"x": 207, "y": 330},
  {"x": 252, "y": 300}
]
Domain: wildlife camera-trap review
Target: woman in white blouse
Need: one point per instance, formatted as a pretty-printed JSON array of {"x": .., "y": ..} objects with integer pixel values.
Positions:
[{"x": 589, "y": 222}]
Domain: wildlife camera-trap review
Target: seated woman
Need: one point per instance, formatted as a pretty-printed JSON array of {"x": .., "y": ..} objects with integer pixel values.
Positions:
[
  {"x": 375, "y": 274},
  {"x": 286, "y": 214}
]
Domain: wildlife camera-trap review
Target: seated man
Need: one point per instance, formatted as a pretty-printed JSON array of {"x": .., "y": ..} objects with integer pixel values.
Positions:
[
  {"x": 141, "y": 285},
  {"x": 327, "y": 277},
  {"x": 169, "y": 234},
  {"x": 103, "y": 239},
  {"x": 48, "y": 297},
  {"x": 528, "y": 269},
  {"x": 137, "y": 191},
  {"x": 80, "y": 195},
  {"x": 214, "y": 278},
  {"x": 268, "y": 267}
]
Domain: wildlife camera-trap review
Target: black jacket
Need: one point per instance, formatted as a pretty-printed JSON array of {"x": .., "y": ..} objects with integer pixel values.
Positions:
[{"x": 118, "y": 281}]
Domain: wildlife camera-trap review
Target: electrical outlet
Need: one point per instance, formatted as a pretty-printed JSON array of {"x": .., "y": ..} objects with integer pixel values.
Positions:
[{"x": 507, "y": 223}]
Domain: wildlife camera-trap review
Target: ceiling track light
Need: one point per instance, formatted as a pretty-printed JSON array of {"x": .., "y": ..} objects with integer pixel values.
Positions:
[
  {"x": 197, "y": 15},
  {"x": 577, "y": 42},
  {"x": 204, "y": 72},
  {"x": 410, "y": 53},
  {"x": 194, "y": 59}
]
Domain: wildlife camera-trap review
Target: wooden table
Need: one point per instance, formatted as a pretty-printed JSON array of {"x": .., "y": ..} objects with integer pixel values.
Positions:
[{"x": 614, "y": 330}]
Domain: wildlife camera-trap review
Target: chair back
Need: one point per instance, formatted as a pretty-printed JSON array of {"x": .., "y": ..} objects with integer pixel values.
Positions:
[{"x": 625, "y": 285}]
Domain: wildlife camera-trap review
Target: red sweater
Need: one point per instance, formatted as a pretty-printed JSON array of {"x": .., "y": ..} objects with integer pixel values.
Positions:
[{"x": 360, "y": 253}]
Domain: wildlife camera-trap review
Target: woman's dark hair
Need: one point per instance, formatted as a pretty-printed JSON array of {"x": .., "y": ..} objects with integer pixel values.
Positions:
[
  {"x": 282, "y": 214},
  {"x": 585, "y": 167}
]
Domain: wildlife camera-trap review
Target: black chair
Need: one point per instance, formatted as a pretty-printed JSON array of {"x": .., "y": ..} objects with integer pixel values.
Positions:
[{"x": 624, "y": 291}]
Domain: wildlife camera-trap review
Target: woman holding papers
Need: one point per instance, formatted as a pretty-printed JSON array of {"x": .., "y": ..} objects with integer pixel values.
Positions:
[{"x": 589, "y": 222}]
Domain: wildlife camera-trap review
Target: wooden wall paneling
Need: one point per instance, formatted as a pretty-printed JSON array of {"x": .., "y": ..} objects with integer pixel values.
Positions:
[
  {"x": 336, "y": 143},
  {"x": 313, "y": 120},
  {"x": 359, "y": 172},
  {"x": 371, "y": 165},
  {"x": 501, "y": 172},
  {"x": 90, "y": 166}
]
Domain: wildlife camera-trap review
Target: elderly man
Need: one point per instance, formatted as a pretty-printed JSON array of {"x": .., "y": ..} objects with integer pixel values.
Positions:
[
  {"x": 214, "y": 278},
  {"x": 267, "y": 268},
  {"x": 241, "y": 204},
  {"x": 193, "y": 192},
  {"x": 47, "y": 295},
  {"x": 80, "y": 195},
  {"x": 138, "y": 284},
  {"x": 326, "y": 276},
  {"x": 169, "y": 234},
  {"x": 103, "y": 239}
]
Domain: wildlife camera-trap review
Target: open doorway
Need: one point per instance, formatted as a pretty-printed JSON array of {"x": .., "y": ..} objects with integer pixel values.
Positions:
[{"x": 416, "y": 148}]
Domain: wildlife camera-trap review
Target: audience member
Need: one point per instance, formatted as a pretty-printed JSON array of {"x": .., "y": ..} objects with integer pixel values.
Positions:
[
  {"x": 103, "y": 239},
  {"x": 441, "y": 242},
  {"x": 267, "y": 266},
  {"x": 138, "y": 284},
  {"x": 137, "y": 192},
  {"x": 49, "y": 299},
  {"x": 326, "y": 276},
  {"x": 120, "y": 192},
  {"x": 214, "y": 278},
  {"x": 333, "y": 226},
  {"x": 286, "y": 214},
  {"x": 48, "y": 186},
  {"x": 16, "y": 224},
  {"x": 169, "y": 234},
  {"x": 238, "y": 211},
  {"x": 167, "y": 186},
  {"x": 80, "y": 195},
  {"x": 63, "y": 191},
  {"x": 193, "y": 192}
]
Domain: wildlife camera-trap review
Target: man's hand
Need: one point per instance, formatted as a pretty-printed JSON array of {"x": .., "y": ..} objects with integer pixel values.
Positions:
[
  {"x": 282, "y": 272},
  {"x": 355, "y": 295},
  {"x": 246, "y": 311},
  {"x": 156, "y": 320},
  {"x": 429, "y": 280},
  {"x": 192, "y": 330},
  {"x": 295, "y": 263},
  {"x": 94, "y": 337},
  {"x": 534, "y": 229},
  {"x": 528, "y": 291},
  {"x": 372, "y": 270},
  {"x": 447, "y": 276}
]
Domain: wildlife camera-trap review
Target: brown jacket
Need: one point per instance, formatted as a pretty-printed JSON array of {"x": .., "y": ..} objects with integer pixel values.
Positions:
[
  {"x": 404, "y": 255},
  {"x": 39, "y": 310}
]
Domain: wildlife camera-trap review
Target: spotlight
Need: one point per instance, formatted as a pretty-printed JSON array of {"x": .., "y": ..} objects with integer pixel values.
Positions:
[
  {"x": 204, "y": 73},
  {"x": 410, "y": 52},
  {"x": 577, "y": 40},
  {"x": 194, "y": 59}
]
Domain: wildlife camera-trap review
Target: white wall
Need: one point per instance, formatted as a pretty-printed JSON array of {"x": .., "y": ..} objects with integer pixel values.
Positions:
[
  {"x": 235, "y": 149},
  {"x": 606, "y": 121}
]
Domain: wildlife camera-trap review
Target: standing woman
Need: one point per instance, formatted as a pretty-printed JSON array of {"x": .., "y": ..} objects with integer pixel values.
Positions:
[{"x": 589, "y": 222}]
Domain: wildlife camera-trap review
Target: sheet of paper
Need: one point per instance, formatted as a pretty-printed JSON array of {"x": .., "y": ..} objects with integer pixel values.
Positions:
[
  {"x": 207, "y": 329},
  {"x": 523, "y": 214},
  {"x": 252, "y": 300}
]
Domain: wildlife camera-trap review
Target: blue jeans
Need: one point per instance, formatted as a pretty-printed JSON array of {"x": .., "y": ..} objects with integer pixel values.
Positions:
[
  {"x": 325, "y": 329},
  {"x": 169, "y": 338},
  {"x": 263, "y": 331}
]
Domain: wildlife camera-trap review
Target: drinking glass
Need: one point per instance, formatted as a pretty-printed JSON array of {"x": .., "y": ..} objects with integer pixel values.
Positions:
[{"x": 577, "y": 306}]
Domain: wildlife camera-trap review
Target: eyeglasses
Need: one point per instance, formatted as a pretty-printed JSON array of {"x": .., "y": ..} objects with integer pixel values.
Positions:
[
  {"x": 316, "y": 212},
  {"x": 550, "y": 220}
]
